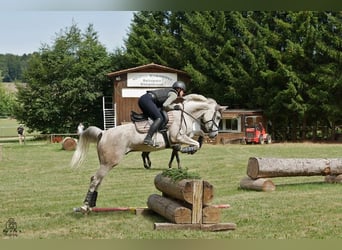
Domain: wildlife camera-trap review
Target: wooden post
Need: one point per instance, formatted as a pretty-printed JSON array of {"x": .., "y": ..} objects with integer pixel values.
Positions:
[{"x": 197, "y": 198}]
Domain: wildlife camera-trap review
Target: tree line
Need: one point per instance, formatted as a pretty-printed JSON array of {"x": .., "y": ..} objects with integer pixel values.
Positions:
[
  {"x": 12, "y": 67},
  {"x": 287, "y": 63}
]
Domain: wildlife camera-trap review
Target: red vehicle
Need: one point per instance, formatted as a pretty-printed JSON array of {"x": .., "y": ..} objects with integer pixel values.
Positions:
[{"x": 255, "y": 131}]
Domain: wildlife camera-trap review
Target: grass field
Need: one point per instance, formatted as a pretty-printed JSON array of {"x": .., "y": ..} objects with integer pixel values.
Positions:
[
  {"x": 8, "y": 131},
  {"x": 39, "y": 191}
]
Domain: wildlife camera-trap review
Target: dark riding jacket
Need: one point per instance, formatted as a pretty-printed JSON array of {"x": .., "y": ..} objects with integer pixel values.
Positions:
[{"x": 164, "y": 97}]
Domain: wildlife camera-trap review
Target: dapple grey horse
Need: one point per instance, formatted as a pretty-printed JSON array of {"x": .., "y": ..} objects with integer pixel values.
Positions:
[{"x": 114, "y": 143}]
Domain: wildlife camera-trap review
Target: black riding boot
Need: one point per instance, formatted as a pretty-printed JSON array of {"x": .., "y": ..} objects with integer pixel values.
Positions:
[{"x": 153, "y": 128}]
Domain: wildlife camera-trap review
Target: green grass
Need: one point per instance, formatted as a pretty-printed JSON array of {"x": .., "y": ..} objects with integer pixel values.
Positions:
[
  {"x": 39, "y": 190},
  {"x": 8, "y": 127}
]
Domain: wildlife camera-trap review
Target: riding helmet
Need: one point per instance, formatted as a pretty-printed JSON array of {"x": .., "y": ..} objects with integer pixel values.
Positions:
[{"x": 180, "y": 85}]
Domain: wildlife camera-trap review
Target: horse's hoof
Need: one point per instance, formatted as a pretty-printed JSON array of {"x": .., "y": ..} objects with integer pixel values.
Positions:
[{"x": 85, "y": 209}]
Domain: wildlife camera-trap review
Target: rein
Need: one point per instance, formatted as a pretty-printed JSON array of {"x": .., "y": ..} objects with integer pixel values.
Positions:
[{"x": 199, "y": 121}]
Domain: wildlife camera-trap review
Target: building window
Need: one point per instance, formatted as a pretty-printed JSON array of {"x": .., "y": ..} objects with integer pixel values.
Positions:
[{"x": 230, "y": 125}]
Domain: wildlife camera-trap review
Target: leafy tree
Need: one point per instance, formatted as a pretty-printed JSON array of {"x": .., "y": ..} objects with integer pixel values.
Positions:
[
  {"x": 152, "y": 38},
  {"x": 287, "y": 63},
  {"x": 7, "y": 102},
  {"x": 65, "y": 83}
]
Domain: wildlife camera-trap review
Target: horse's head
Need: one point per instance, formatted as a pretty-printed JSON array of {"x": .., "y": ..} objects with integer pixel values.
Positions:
[
  {"x": 208, "y": 112},
  {"x": 211, "y": 118}
]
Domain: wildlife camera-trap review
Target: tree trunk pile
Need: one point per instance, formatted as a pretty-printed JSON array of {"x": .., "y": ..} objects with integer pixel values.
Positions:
[
  {"x": 186, "y": 202},
  {"x": 260, "y": 169}
]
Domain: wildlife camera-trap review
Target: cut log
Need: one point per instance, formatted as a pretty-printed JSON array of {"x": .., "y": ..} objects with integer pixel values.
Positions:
[
  {"x": 170, "y": 209},
  {"x": 211, "y": 214},
  {"x": 69, "y": 143},
  {"x": 261, "y": 184},
  {"x": 183, "y": 189},
  {"x": 333, "y": 178},
  {"x": 281, "y": 167}
]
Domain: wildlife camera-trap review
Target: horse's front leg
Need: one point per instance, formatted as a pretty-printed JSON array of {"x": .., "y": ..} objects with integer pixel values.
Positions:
[
  {"x": 193, "y": 145},
  {"x": 174, "y": 154}
]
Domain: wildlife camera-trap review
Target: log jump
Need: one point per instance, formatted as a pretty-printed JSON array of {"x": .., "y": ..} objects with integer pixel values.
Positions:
[
  {"x": 186, "y": 204},
  {"x": 259, "y": 169}
]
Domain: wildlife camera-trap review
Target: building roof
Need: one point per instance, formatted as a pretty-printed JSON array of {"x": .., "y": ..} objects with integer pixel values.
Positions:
[{"x": 146, "y": 67}]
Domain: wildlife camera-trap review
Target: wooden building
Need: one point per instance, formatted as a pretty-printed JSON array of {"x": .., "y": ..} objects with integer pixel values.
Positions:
[
  {"x": 130, "y": 84},
  {"x": 234, "y": 122}
]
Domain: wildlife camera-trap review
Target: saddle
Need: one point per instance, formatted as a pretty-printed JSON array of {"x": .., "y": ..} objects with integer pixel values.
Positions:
[{"x": 142, "y": 122}]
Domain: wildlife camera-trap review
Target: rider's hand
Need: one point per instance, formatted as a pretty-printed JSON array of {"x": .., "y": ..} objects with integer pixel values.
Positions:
[{"x": 177, "y": 107}]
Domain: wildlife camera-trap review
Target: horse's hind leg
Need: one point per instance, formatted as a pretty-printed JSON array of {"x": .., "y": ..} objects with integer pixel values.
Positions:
[
  {"x": 146, "y": 159},
  {"x": 95, "y": 181}
]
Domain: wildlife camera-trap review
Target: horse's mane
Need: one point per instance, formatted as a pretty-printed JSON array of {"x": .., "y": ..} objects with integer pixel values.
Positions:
[{"x": 197, "y": 97}]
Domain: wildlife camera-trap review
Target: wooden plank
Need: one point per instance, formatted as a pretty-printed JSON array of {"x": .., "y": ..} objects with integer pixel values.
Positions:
[
  {"x": 197, "y": 192},
  {"x": 261, "y": 184},
  {"x": 203, "y": 227},
  {"x": 284, "y": 167}
]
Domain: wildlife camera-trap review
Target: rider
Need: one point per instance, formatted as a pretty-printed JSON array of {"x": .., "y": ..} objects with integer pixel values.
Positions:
[{"x": 153, "y": 101}]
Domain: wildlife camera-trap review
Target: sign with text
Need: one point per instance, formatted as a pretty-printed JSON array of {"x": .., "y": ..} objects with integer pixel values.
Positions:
[{"x": 154, "y": 80}]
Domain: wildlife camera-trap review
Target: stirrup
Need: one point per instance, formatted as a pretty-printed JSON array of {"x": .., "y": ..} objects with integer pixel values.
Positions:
[{"x": 150, "y": 142}]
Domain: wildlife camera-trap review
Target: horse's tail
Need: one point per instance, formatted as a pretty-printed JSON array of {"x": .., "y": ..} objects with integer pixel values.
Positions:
[{"x": 91, "y": 134}]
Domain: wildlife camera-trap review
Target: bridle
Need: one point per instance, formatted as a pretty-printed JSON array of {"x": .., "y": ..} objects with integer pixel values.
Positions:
[
  {"x": 201, "y": 122},
  {"x": 213, "y": 124}
]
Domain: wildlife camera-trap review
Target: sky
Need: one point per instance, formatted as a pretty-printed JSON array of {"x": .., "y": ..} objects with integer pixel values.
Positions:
[{"x": 23, "y": 32}]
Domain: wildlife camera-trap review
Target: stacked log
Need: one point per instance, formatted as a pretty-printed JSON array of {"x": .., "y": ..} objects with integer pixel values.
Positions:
[
  {"x": 186, "y": 202},
  {"x": 183, "y": 189},
  {"x": 172, "y": 210}
]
